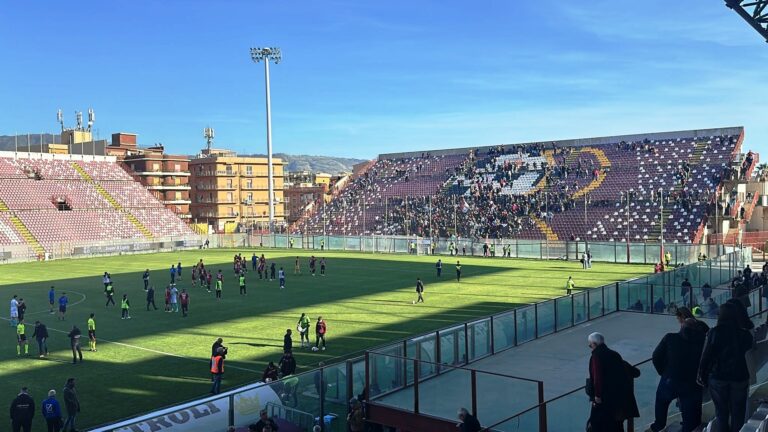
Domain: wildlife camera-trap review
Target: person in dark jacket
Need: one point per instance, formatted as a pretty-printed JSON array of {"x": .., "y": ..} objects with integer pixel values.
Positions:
[
  {"x": 41, "y": 336},
  {"x": 611, "y": 387},
  {"x": 723, "y": 368},
  {"x": 468, "y": 422},
  {"x": 264, "y": 420},
  {"x": 270, "y": 373},
  {"x": 287, "y": 342},
  {"x": 287, "y": 364},
  {"x": 151, "y": 297},
  {"x": 52, "y": 412},
  {"x": 683, "y": 313},
  {"x": 72, "y": 402},
  {"x": 672, "y": 359},
  {"x": 742, "y": 316},
  {"x": 22, "y": 411}
]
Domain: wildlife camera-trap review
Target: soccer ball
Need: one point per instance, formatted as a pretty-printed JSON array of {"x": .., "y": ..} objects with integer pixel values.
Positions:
[
  {"x": 314, "y": 349},
  {"x": 414, "y": 302}
]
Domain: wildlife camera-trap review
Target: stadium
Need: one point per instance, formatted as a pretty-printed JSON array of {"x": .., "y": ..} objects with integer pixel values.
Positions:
[{"x": 517, "y": 286}]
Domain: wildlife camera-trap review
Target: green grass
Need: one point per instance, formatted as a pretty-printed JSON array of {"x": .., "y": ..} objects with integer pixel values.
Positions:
[{"x": 366, "y": 300}]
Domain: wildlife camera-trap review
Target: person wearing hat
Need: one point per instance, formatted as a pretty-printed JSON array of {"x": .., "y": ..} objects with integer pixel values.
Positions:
[{"x": 52, "y": 412}]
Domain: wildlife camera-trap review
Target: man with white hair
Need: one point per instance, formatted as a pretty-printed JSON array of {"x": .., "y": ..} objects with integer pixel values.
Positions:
[
  {"x": 468, "y": 422},
  {"x": 609, "y": 387}
]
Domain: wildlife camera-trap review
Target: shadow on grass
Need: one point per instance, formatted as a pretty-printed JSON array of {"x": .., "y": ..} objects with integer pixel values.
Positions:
[{"x": 115, "y": 387}]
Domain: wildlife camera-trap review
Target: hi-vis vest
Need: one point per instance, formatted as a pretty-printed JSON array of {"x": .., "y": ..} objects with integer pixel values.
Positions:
[
  {"x": 215, "y": 365},
  {"x": 124, "y": 304}
]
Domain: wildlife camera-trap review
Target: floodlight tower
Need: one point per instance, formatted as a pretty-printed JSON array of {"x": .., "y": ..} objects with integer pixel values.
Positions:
[{"x": 267, "y": 55}]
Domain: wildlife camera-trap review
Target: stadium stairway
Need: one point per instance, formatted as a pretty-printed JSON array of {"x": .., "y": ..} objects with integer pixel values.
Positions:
[
  {"x": 546, "y": 229},
  {"x": 23, "y": 230},
  {"x": 112, "y": 201}
]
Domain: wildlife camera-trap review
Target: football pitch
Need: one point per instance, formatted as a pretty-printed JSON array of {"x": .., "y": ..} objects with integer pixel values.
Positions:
[{"x": 157, "y": 359}]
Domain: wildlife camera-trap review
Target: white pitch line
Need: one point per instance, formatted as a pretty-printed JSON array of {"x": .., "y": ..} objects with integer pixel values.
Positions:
[
  {"x": 135, "y": 346},
  {"x": 55, "y": 310}
]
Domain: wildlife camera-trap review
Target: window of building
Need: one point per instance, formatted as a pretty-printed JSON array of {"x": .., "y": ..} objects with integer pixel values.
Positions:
[
  {"x": 250, "y": 197},
  {"x": 177, "y": 167},
  {"x": 249, "y": 169},
  {"x": 229, "y": 169},
  {"x": 229, "y": 183},
  {"x": 229, "y": 197},
  {"x": 249, "y": 184},
  {"x": 155, "y": 167}
]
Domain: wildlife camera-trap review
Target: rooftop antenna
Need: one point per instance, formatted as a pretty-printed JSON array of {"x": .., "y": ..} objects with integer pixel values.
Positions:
[
  {"x": 79, "y": 117},
  {"x": 91, "y": 118},
  {"x": 208, "y": 134},
  {"x": 60, "y": 119}
]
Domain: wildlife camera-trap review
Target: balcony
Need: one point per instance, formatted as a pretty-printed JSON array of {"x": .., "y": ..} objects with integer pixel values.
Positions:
[
  {"x": 177, "y": 201},
  {"x": 160, "y": 173},
  {"x": 169, "y": 187}
]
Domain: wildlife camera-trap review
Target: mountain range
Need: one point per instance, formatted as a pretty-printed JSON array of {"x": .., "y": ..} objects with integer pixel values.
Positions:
[{"x": 327, "y": 164}]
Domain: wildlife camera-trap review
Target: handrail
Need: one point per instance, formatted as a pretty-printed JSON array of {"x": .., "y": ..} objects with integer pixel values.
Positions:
[
  {"x": 763, "y": 309},
  {"x": 443, "y": 365},
  {"x": 544, "y": 404}
]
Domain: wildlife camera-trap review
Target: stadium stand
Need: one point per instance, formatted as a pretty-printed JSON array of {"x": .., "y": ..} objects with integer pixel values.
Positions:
[
  {"x": 46, "y": 200},
  {"x": 600, "y": 189}
]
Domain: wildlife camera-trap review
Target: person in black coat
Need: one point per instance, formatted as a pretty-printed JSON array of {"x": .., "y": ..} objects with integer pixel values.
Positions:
[
  {"x": 287, "y": 364},
  {"x": 672, "y": 359},
  {"x": 22, "y": 411},
  {"x": 468, "y": 422},
  {"x": 742, "y": 316},
  {"x": 610, "y": 389},
  {"x": 723, "y": 368},
  {"x": 287, "y": 342}
]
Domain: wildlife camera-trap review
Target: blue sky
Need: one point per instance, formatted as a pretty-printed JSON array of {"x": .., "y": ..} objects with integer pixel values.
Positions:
[{"x": 362, "y": 78}]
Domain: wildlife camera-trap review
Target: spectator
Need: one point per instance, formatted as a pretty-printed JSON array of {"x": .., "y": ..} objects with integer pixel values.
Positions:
[
  {"x": 683, "y": 313},
  {"x": 610, "y": 387},
  {"x": 287, "y": 364},
  {"x": 467, "y": 421},
  {"x": 270, "y": 373},
  {"x": 72, "y": 404},
  {"x": 685, "y": 291},
  {"x": 52, "y": 412},
  {"x": 723, "y": 368},
  {"x": 355, "y": 417},
  {"x": 672, "y": 359},
  {"x": 22, "y": 411},
  {"x": 742, "y": 316},
  {"x": 659, "y": 306},
  {"x": 264, "y": 421}
]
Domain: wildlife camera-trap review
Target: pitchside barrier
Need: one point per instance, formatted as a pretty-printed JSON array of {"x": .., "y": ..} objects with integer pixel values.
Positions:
[
  {"x": 22, "y": 253},
  {"x": 616, "y": 252},
  {"x": 409, "y": 363}
]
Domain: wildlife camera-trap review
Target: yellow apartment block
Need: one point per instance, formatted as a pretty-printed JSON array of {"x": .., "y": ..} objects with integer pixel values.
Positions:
[{"x": 229, "y": 190}]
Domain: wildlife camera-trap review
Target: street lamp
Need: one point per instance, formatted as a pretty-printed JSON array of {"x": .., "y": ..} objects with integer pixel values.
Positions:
[{"x": 267, "y": 55}]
